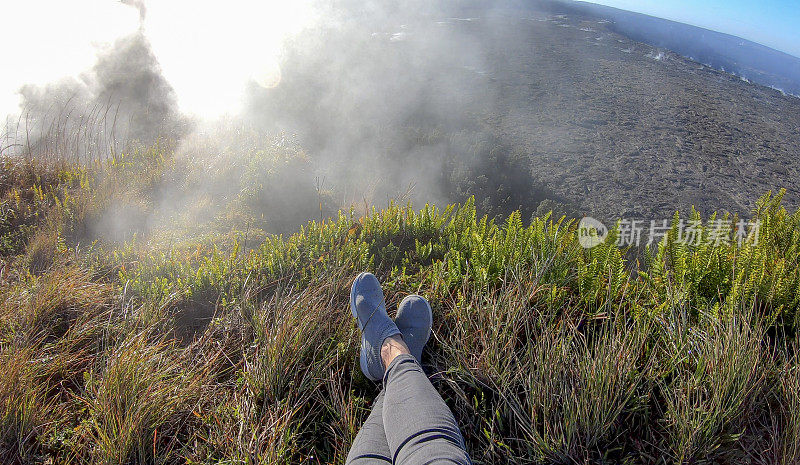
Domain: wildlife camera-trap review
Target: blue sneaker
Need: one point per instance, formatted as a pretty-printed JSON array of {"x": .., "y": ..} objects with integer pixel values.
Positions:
[
  {"x": 414, "y": 320},
  {"x": 369, "y": 309}
]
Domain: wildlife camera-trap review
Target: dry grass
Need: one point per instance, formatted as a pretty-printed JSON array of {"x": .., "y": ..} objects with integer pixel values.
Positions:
[{"x": 211, "y": 350}]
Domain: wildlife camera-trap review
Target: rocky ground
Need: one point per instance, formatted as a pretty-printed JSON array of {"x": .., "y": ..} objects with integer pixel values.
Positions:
[
  {"x": 621, "y": 128},
  {"x": 610, "y": 125}
]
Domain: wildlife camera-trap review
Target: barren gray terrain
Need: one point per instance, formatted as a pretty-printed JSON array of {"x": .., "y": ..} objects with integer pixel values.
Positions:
[
  {"x": 622, "y": 128},
  {"x": 613, "y": 127}
]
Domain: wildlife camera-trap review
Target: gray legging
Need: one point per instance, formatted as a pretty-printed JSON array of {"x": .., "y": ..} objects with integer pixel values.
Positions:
[{"x": 409, "y": 423}]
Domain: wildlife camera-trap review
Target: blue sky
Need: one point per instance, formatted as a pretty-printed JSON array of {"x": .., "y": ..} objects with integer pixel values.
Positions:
[{"x": 774, "y": 23}]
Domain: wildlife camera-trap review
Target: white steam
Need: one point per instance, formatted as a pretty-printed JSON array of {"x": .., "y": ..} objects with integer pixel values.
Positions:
[
  {"x": 49, "y": 40},
  {"x": 207, "y": 51}
]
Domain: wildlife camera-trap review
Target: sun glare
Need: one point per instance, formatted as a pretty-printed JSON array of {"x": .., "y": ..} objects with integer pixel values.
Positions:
[{"x": 209, "y": 51}]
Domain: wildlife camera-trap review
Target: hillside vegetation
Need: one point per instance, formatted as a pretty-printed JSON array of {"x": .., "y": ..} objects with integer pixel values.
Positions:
[{"x": 137, "y": 328}]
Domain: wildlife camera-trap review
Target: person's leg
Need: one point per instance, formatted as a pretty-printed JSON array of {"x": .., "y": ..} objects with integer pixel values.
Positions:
[
  {"x": 370, "y": 446},
  {"x": 419, "y": 427}
]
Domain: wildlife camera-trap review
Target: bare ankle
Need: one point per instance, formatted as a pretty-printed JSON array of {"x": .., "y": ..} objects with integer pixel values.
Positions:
[{"x": 392, "y": 347}]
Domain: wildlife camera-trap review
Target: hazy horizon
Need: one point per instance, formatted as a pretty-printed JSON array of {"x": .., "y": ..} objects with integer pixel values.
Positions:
[{"x": 771, "y": 23}]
